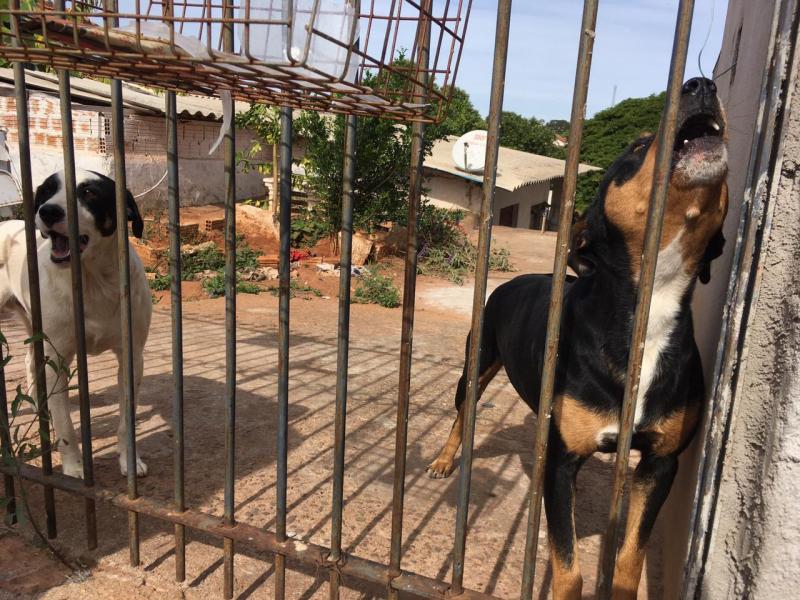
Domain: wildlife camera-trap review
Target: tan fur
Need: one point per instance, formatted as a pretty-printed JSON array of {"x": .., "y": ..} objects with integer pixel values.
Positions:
[
  {"x": 628, "y": 569},
  {"x": 673, "y": 431},
  {"x": 579, "y": 425},
  {"x": 698, "y": 212},
  {"x": 567, "y": 579},
  {"x": 443, "y": 465}
]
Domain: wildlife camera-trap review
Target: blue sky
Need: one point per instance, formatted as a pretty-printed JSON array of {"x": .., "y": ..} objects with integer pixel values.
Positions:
[{"x": 632, "y": 51}]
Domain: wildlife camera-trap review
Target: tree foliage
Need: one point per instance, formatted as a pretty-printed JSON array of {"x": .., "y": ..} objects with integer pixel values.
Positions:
[
  {"x": 559, "y": 126},
  {"x": 608, "y": 133},
  {"x": 460, "y": 118},
  {"x": 528, "y": 135}
]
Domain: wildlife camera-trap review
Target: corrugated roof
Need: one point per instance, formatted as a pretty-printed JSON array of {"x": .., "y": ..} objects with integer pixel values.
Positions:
[
  {"x": 134, "y": 97},
  {"x": 515, "y": 168}
]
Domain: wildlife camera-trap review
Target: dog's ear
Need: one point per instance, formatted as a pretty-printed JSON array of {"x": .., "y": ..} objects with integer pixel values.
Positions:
[
  {"x": 713, "y": 251},
  {"x": 581, "y": 260},
  {"x": 133, "y": 215}
]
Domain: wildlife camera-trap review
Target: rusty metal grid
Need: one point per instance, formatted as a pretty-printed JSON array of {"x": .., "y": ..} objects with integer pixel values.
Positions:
[
  {"x": 338, "y": 56},
  {"x": 425, "y": 52}
]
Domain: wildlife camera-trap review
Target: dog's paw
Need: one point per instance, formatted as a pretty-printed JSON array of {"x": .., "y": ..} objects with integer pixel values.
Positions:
[
  {"x": 440, "y": 468},
  {"x": 73, "y": 469},
  {"x": 141, "y": 468}
]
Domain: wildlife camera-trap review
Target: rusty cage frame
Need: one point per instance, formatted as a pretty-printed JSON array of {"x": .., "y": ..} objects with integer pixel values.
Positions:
[{"x": 56, "y": 36}]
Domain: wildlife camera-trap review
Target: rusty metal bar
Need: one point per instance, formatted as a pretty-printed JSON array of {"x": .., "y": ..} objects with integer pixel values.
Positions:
[
  {"x": 173, "y": 203},
  {"x": 65, "y": 100},
  {"x": 543, "y": 413},
  {"x": 229, "y": 152},
  {"x": 409, "y": 293},
  {"x": 655, "y": 217},
  {"x": 126, "y": 310},
  {"x": 5, "y": 443},
  {"x": 340, "y": 420},
  {"x": 312, "y": 555},
  {"x": 31, "y": 249},
  {"x": 479, "y": 296},
  {"x": 284, "y": 293}
]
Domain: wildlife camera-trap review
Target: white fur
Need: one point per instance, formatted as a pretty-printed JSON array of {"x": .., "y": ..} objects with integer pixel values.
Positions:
[
  {"x": 101, "y": 310},
  {"x": 670, "y": 286},
  {"x": 703, "y": 168}
]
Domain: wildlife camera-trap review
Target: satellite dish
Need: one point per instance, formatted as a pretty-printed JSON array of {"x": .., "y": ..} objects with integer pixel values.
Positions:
[{"x": 469, "y": 151}]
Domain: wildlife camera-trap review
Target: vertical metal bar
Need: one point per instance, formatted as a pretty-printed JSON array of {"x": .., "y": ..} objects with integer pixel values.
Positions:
[
  {"x": 340, "y": 419},
  {"x": 579, "y": 94},
  {"x": 31, "y": 249},
  {"x": 126, "y": 310},
  {"x": 479, "y": 297},
  {"x": 5, "y": 440},
  {"x": 65, "y": 100},
  {"x": 285, "y": 218},
  {"x": 409, "y": 292},
  {"x": 173, "y": 201},
  {"x": 229, "y": 151},
  {"x": 655, "y": 217}
]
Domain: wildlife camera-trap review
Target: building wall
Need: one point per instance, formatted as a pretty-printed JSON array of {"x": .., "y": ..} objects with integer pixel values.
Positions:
[
  {"x": 454, "y": 193},
  {"x": 755, "y": 544},
  {"x": 201, "y": 176}
]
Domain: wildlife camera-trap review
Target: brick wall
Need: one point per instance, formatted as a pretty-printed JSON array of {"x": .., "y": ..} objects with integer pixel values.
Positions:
[{"x": 45, "y": 123}]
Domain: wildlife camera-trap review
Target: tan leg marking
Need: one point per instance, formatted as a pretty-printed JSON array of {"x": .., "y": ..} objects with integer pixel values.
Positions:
[
  {"x": 672, "y": 432},
  {"x": 444, "y": 464},
  {"x": 567, "y": 579},
  {"x": 579, "y": 425},
  {"x": 628, "y": 569}
]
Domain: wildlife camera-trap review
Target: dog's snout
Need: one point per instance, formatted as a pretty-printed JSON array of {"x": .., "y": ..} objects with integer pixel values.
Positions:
[
  {"x": 51, "y": 213},
  {"x": 699, "y": 86}
]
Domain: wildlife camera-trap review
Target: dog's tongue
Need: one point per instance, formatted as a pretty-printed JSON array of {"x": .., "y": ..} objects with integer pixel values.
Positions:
[{"x": 60, "y": 246}]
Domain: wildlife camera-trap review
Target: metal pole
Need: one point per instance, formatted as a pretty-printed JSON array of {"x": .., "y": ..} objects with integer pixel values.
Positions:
[
  {"x": 126, "y": 310},
  {"x": 345, "y": 262},
  {"x": 544, "y": 411},
  {"x": 173, "y": 200},
  {"x": 229, "y": 151},
  {"x": 65, "y": 100},
  {"x": 5, "y": 440},
  {"x": 285, "y": 217},
  {"x": 31, "y": 249},
  {"x": 479, "y": 297},
  {"x": 655, "y": 217},
  {"x": 409, "y": 292}
]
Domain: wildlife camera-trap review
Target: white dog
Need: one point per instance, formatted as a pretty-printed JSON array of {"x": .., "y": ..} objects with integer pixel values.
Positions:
[{"x": 97, "y": 225}]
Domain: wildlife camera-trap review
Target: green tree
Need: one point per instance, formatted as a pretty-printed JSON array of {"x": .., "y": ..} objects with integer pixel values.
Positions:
[
  {"x": 559, "y": 126},
  {"x": 461, "y": 116},
  {"x": 608, "y": 133},
  {"x": 528, "y": 135}
]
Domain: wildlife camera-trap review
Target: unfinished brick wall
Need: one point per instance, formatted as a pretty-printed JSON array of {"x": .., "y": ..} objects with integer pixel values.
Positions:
[{"x": 45, "y": 123}]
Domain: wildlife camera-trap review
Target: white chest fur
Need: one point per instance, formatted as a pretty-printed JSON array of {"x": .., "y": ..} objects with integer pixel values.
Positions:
[{"x": 670, "y": 286}]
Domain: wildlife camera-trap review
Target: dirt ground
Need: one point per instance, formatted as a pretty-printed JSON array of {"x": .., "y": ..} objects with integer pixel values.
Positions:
[{"x": 500, "y": 480}]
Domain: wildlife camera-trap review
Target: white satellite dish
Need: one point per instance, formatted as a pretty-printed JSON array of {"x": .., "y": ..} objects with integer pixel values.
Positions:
[{"x": 469, "y": 151}]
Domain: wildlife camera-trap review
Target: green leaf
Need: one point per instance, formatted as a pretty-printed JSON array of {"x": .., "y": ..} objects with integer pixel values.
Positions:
[{"x": 36, "y": 337}]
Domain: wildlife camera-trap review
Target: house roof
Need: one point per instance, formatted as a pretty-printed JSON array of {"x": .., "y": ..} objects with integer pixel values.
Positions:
[
  {"x": 515, "y": 169},
  {"x": 134, "y": 98}
]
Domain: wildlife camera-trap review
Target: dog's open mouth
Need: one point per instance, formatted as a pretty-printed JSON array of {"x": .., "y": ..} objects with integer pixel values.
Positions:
[
  {"x": 699, "y": 133},
  {"x": 59, "y": 250}
]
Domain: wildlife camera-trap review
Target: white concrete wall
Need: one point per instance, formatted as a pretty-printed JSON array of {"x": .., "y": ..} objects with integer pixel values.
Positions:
[
  {"x": 454, "y": 193},
  {"x": 526, "y": 197}
]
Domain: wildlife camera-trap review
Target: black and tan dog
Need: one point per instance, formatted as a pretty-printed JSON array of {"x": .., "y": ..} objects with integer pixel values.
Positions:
[{"x": 596, "y": 328}]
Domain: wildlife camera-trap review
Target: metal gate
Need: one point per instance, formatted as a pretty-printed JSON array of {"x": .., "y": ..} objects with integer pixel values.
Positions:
[{"x": 84, "y": 37}]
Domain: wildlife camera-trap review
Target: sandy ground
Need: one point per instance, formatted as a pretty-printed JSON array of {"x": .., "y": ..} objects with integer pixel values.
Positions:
[{"x": 500, "y": 480}]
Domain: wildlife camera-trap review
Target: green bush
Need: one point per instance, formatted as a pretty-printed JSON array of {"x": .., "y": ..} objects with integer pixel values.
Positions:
[
  {"x": 308, "y": 229},
  {"x": 160, "y": 283},
  {"x": 296, "y": 288},
  {"x": 212, "y": 258},
  {"x": 215, "y": 286},
  {"x": 377, "y": 289}
]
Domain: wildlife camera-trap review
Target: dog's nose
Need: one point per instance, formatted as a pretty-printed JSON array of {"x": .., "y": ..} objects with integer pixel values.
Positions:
[
  {"x": 51, "y": 213},
  {"x": 699, "y": 86}
]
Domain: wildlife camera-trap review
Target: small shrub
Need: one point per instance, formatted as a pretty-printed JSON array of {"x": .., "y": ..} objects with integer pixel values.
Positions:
[
  {"x": 160, "y": 283},
  {"x": 377, "y": 289},
  {"x": 211, "y": 258},
  {"x": 308, "y": 229},
  {"x": 456, "y": 259},
  {"x": 215, "y": 286}
]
